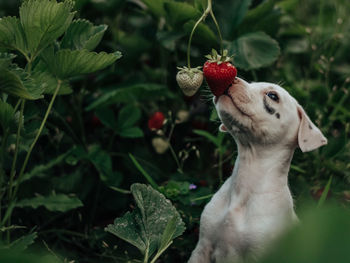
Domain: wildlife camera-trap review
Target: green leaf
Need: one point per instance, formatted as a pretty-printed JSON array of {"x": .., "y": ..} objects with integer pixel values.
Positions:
[
  {"x": 167, "y": 234},
  {"x": 325, "y": 192},
  {"x": 107, "y": 117},
  {"x": 15, "y": 81},
  {"x": 6, "y": 59},
  {"x": 128, "y": 229},
  {"x": 131, "y": 132},
  {"x": 139, "y": 92},
  {"x": 59, "y": 202},
  {"x": 44, "y": 21},
  {"x": 178, "y": 13},
  {"x": 231, "y": 15},
  {"x": 145, "y": 226},
  {"x": 103, "y": 164},
  {"x": 82, "y": 34},
  {"x": 268, "y": 16},
  {"x": 254, "y": 50},
  {"x": 7, "y": 115},
  {"x": 128, "y": 116},
  {"x": 68, "y": 63},
  {"x": 49, "y": 82},
  {"x": 12, "y": 35},
  {"x": 156, "y": 7},
  {"x": 42, "y": 169},
  {"x": 23, "y": 242}
]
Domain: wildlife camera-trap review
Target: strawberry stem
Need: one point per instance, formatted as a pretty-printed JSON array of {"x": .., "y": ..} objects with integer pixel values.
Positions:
[
  {"x": 204, "y": 15},
  {"x": 208, "y": 10},
  {"x": 218, "y": 29}
]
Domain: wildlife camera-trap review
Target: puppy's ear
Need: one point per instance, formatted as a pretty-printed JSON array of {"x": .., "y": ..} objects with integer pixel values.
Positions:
[
  {"x": 309, "y": 136},
  {"x": 223, "y": 128}
]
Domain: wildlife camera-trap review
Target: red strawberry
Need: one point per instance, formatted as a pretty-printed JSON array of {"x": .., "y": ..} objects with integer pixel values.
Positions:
[
  {"x": 156, "y": 121},
  {"x": 219, "y": 72}
]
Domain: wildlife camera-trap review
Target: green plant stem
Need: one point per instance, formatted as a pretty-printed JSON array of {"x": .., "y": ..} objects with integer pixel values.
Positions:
[
  {"x": 145, "y": 259},
  {"x": 18, "y": 137},
  {"x": 204, "y": 15},
  {"x": 172, "y": 149},
  {"x": 36, "y": 139},
  {"x": 159, "y": 253},
  {"x": 218, "y": 29}
]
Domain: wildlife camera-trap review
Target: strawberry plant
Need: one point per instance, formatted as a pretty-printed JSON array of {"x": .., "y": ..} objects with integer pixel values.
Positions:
[{"x": 41, "y": 51}]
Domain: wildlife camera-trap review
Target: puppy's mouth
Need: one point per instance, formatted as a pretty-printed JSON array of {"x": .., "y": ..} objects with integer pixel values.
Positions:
[{"x": 226, "y": 93}]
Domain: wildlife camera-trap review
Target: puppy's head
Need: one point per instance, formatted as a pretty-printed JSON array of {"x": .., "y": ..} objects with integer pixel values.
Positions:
[{"x": 264, "y": 113}]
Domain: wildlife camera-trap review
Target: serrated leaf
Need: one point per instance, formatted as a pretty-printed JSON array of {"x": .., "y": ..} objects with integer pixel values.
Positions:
[
  {"x": 168, "y": 233},
  {"x": 128, "y": 229},
  {"x": 131, "y": 132},
  {"x": 44, "y": 21},
  {"x": 128, "y": 116},
  {"x": 49, "y": 82},
  {"x": 12, "y": 35},
  {"x": 103, "y": 164},
  {"x": 179, "y": 13},
  {"x": 15, "y": 81},
  {"x": 140, "y": 91},
  {"x": 42, "y": 169},
  {"x": 144, "y": 227},
  {"x": 254, "y": 50},
  {"x": 7, "y": 115},
  {"x": 68, "y": 63},
  {"x": 23, "y": 242},
  {"x": 59, "y": 202},
  {"x": 82, "y": 34}
]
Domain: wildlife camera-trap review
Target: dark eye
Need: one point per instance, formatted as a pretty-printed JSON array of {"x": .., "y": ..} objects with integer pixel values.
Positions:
[{"x": 273, "y": 96}]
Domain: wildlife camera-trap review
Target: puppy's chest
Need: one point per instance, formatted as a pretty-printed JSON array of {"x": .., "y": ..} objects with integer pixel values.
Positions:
[{"x": 239, "y": 222}]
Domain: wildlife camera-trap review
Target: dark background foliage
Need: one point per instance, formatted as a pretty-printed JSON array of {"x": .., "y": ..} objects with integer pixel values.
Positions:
[{"x": 85, "y": 148}]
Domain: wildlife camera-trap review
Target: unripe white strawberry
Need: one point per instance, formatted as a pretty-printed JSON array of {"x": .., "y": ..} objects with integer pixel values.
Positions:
[
  {"x": 189, "y": 80},
  {"x": 160, "y": 145}
]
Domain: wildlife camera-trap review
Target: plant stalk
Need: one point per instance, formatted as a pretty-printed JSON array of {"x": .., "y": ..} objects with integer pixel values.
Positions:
[
  {"x": 18, "y": 137},
  {"x": 36, "y": 139},
  {"x": 204, "y": 15}
]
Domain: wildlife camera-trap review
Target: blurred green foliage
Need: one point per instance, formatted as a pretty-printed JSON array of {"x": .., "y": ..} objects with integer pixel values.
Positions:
[{"x": 84, "y": 150}]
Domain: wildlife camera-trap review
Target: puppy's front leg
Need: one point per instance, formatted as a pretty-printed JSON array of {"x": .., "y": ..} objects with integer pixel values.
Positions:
[{"x": 202, "y": 253}]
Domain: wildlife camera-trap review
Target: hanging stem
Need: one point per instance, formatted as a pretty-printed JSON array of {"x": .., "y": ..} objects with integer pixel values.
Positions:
[
  {"x": 36, "y": 139},
  {"x": 204, "y": 15},
  {"x": 218, "y": 29}
]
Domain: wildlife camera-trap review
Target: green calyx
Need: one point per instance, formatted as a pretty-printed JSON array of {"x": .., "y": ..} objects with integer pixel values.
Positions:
[
  {"x": 214, "y": 57},
  {"x": 189, "y": 71}
]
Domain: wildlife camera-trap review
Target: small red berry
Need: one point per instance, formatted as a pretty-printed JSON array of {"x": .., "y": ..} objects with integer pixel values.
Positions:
[
  {"x": 69, "y": 119},
  {"x": 95, "y": 121},
  {"x": 156, "y": 121}
]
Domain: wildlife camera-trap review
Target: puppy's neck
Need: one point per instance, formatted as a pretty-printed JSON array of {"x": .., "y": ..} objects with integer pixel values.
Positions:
[{"x": 261, "y": 169}]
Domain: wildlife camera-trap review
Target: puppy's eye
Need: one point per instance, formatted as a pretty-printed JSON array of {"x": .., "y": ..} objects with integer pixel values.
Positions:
[{"x": 272, "y": 95}]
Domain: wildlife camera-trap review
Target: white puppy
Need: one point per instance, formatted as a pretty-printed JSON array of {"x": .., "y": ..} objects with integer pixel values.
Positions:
[{"x": 254, "y": 205}]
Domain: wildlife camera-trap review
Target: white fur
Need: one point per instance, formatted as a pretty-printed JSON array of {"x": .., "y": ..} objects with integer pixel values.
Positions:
[{"x": 254, "y": 205}]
